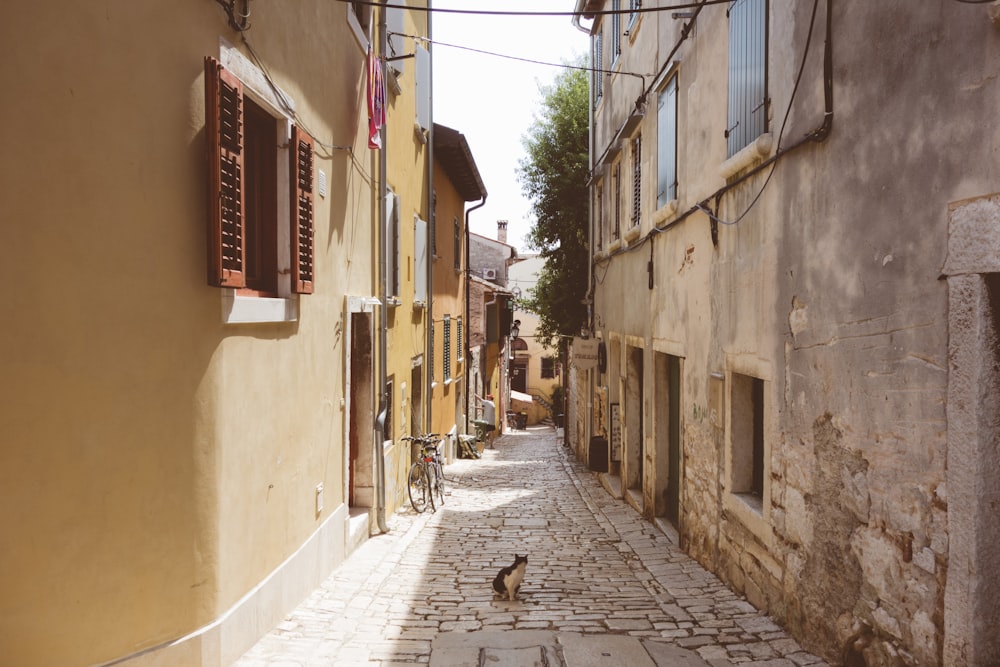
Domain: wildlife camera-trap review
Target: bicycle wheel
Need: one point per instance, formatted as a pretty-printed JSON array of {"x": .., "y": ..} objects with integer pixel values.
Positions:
[
  {"x": 418, "y": 487},
  {"x": 439, "y": 483}
]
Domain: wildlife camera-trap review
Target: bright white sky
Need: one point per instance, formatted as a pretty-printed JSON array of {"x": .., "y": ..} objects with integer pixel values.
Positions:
[{"x": 493, "y": 101}]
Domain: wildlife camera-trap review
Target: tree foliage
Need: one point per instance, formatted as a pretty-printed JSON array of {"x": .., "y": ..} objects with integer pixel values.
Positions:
[{"x": 553, "y": 177}]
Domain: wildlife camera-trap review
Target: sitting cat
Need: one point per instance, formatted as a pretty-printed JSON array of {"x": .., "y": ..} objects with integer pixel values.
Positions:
[{"x": 508, "y": 581}]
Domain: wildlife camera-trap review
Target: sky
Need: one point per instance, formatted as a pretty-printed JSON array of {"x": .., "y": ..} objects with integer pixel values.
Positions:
[{"x": 492, "y": 100}]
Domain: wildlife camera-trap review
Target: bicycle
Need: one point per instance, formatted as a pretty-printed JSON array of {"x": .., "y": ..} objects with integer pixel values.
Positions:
[{"x": 426, "y": 478}]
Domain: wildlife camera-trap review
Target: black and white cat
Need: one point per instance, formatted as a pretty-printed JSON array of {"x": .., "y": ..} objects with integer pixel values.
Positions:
[{"x": 508, "y": 581}]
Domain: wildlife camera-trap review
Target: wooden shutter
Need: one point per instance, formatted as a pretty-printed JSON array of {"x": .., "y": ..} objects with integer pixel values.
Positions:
[
  {"x": 224, "y": 130},
  {"x": 302, "y": 211}
]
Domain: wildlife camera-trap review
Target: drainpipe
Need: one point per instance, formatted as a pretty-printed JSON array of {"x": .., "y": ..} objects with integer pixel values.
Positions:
[
  {"x": 383, "y": 324},
  {"x": 468, "y": 327},
  {"x": 429, "y": 245}
]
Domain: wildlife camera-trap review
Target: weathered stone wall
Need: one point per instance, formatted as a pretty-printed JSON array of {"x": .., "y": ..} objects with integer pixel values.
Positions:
[{"x": 828, "y": 291}]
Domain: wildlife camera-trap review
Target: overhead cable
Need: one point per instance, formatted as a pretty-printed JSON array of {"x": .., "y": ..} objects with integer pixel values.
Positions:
[
  {"x": 524, "y": 60},
  {"x": 492, "y": 12}
]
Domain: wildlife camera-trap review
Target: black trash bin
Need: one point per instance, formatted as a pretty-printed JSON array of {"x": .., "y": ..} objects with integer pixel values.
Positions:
[{"x": 598, "y": 457}]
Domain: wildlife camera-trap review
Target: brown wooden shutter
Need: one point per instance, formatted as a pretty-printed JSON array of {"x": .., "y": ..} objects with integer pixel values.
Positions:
[
  {"x": 224, "y": 130},
  {"x": 302, "y": 211}
]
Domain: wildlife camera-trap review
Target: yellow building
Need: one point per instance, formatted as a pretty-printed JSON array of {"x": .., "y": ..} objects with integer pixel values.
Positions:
[
  {"x": 456, "y": 181},
  {"x": 406, "y": 224},
  {"x": 174, "y": 474}
]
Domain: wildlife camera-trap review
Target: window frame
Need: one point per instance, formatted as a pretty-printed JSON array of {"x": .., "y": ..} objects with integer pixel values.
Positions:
[
  {"x": 616, "y": 175},
  {"x": 360, "y": 24},
  {"x": 633, "y": 5},
  {"x": 616, "y": 32},
  {"x": 597, "y": 57}
]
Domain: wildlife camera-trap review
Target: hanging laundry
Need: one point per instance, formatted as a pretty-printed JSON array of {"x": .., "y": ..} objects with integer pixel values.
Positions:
[{"x": 376, "y": 100}]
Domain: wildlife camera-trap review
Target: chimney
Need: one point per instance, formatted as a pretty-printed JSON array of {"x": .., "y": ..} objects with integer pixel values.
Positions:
[{"x": 502, "y": 231}]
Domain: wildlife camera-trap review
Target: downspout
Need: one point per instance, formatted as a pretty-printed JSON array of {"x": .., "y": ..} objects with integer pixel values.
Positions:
[
  {"x": 468, "y": 327},
  {"x": 590, "y": 245},
  {"x": 379, "y": 454},
  {"x": 429, "y": 245}
]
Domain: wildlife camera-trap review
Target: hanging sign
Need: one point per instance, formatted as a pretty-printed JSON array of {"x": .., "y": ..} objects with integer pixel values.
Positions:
[{"x": 585, "y": 353}]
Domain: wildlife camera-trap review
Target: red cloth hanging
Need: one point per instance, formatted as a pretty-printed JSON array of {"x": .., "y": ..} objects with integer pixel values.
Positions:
[{"x": 376, "y": 100}]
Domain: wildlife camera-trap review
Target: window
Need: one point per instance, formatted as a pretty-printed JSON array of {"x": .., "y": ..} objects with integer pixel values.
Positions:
[
  {"x": 359, "y": 17},
  {"x": 395, "y": 18},
  {"x": 599, "y": 215},
  {"x": 548, "y": 367},
  {"x": 666, "y": 149},
  {"x": 392, "y": 244},
  {"x": 387, "y": 432},
  {"x": 458, "y": 243},
  {"x": 616, "y": 229},
  {"x": 747, "y": 118},
  {"x": 422, "y": 60},
  {"x": 433, "y": 226},
  {"x": 459, "y": 350},
  {"x": 616, "y": 31},
  {"x": 636, "y": 179},
  {"x": 430, "y": 349},
  {"x": 419, "y": 261},
  {"x": 598, "y": 60},
  {"x": 447, "y": 348},
  {"x": 747, "y": 436},
  {"x": 250, "y": 245},
  {"x": 634, "y": 6}
]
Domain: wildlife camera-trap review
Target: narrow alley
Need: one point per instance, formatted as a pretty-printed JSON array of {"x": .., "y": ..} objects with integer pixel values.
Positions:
[{"x": 603, "y": 586}]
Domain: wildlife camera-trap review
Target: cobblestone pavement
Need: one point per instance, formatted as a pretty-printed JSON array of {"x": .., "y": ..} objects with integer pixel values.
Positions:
[{"x": 595, "y": 567}]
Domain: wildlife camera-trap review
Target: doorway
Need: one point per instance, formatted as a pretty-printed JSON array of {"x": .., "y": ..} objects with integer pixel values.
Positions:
[
  {"x": 360, "y": 435},
  {"x": 635, "y": 453},
  {"x": 667, "y": 485}
]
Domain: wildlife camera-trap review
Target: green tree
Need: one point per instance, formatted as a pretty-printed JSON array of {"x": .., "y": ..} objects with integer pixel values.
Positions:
[{"x": 553, "y": 177}]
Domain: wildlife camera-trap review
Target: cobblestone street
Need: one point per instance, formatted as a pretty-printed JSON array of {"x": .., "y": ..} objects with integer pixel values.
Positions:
[{"x": 601, "y": 583}]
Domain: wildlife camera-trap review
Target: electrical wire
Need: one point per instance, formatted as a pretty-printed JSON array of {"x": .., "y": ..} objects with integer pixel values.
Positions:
[
  {"x": 489, "y": 12},
  {"x": 518, "y": 58},
  {"x": 286, "y": 105}
]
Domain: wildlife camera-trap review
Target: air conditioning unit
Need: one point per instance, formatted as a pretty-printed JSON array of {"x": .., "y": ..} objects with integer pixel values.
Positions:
[{"x": 490, "y": 274}]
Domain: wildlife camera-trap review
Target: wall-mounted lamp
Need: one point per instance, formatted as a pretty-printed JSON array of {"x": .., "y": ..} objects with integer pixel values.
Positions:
[{"x": 515, "y": 329}]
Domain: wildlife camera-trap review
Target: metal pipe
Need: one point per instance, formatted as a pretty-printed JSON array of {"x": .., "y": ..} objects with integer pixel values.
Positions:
[
  {"x": 382, "y": 289},
  {"x": 468, "y": 327},
  {"x": 429, "y": 244}
]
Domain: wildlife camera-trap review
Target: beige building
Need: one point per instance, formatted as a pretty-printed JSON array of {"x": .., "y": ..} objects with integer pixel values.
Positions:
[
  {"x": 535, "y": 369},
  {"x": 795, "y": 229}
]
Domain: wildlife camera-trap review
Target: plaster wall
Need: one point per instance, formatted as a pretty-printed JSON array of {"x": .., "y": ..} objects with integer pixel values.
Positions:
[
  {"x": 407, "y": 155},
  {"x": 158, "y": 464}
]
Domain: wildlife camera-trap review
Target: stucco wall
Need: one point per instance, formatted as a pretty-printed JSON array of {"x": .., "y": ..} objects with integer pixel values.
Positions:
[{"x": 158, "y": 464}]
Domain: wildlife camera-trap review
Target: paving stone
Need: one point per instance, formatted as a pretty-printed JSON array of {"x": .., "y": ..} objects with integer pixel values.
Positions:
[{"x": 596, "y": 569}]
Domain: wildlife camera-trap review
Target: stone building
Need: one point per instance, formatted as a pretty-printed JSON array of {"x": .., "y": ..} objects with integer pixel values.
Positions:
[{"x": 799, "y": 201}]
